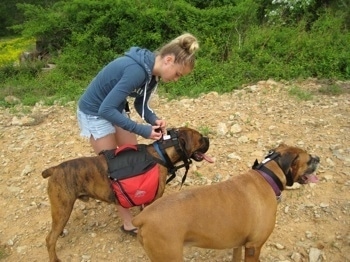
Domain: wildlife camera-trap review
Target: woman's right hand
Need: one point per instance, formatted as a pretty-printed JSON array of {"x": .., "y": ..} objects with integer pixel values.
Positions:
[{"x": 156, "y": 133}]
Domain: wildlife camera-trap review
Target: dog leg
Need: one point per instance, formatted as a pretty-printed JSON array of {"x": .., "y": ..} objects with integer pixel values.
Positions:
[
  {"x": 61, "y": 208},
  {"x": 252, "y": 254},
  {"x": 157, "y": 248},
  {"x": 237, "y": 254},
  {"x": 170, "y": 253}
]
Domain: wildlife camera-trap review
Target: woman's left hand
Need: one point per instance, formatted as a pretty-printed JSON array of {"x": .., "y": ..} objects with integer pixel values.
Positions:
[{"x": 162, "y": 124}]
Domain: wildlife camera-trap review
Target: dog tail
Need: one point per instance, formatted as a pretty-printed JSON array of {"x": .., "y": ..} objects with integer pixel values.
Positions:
[
  {"x": 137, "y": 221},
  {"x": 47, "y": 172}
]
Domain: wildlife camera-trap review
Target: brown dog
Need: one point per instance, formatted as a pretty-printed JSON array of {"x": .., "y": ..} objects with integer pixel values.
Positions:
[
  {"x": 239, "y": 212},
  {"x": 87, "y": 177}
]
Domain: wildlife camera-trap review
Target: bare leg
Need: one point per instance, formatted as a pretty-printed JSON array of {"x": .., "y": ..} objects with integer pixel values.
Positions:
[
  {"x": 103, "y": 143},
  {"x": 126, "y": 215},
  {"x": 124, "y": 137},
  {"x": 111, "y": 141}
]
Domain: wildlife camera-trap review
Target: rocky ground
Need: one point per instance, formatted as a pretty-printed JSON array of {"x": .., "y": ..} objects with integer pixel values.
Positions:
[{"x": 313, "y": 221}]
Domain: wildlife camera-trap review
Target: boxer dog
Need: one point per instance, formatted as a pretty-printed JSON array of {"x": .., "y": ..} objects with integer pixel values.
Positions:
[
  {"x": 239, "y": 212},
  {"x": 87, "y": 177}
]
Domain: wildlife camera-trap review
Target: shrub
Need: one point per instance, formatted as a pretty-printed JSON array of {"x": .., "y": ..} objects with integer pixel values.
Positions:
[{"x": 237, "y": 45}]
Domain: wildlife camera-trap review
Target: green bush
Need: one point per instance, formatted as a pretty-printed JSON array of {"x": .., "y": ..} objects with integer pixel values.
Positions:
[{"x": 239, "y": 43}]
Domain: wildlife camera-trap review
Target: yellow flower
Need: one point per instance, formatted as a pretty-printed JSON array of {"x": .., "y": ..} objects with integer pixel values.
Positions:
[{"x": 10, "y": 49}]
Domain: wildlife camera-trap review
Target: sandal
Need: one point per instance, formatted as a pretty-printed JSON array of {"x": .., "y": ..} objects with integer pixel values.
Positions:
[{"x": 131, "y": 232}]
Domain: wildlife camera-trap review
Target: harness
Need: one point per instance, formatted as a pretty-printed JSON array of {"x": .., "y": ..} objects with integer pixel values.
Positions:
[
  {"x": 134, "y": 172},
  {"x": 171, "y": 140},
  {"x": 270, "y": 177},
  {"x": 134, "y": 159}
]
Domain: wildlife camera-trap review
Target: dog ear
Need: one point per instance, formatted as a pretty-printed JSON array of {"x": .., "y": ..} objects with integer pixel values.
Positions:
[
  {"x": 281, "y": 146},
  {"x": 256, "y": 164},
  {"x": 184, "y": 138},
  {"x": 286, "y": 162}
]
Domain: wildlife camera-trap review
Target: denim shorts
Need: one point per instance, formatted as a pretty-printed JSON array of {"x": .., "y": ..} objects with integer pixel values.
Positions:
[{"x": 95, "y": 126}]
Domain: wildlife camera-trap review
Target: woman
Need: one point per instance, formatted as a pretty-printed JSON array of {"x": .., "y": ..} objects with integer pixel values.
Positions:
[{"x": 101, "y": 109}]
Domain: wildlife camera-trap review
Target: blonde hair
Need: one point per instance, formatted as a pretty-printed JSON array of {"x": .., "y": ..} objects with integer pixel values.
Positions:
[{"x": 183, "y": 48}]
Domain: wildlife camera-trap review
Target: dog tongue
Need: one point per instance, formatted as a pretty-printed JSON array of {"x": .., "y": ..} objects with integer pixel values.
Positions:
[
  {"x": 208, "y": 158},
  {"x": 312, "y": 178}
]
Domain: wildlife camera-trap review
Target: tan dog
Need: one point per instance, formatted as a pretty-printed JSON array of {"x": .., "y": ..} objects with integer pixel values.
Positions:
[
  {"x": 87, "y": 177},
  {"x": 239, "y": 212}
]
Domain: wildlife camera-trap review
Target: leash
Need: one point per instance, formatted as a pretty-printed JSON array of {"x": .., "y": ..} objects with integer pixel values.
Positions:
[{"x": 172, "y": 141}]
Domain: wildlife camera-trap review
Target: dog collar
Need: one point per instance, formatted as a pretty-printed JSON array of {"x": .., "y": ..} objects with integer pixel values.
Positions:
[
  {"x": 269, "y": 176},
  {"x": 271, "y": 156},
  {"x": 273, "y": 184}
]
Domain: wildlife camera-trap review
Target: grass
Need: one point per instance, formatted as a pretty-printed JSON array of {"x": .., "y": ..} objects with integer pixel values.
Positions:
[
  {"x": 300, "y": 94},
  {"x": 3, "y": 252},
  {"x": 198, "y": 174},
  {"x": 331, "y": 90},
  {"x": 204, "y": 130}
]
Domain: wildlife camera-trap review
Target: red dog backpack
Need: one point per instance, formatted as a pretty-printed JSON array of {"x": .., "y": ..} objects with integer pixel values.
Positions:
[{"x": 134, "y": 175}]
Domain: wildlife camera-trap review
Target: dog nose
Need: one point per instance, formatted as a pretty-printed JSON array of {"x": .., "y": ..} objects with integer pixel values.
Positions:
[
  {"x": 206, "y": 139},
  {"x": 316, "y": 159}
]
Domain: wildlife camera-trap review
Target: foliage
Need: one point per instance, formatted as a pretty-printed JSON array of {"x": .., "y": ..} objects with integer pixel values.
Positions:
[
  {"x": 240, "y": 42},
  {"x": 299, "y": 93},
  {"x": 11, "y": 48},
  {"x": 290, "y": 11},
  {"x": 10, "y": 15},
  {"x": 332, "y": 89},
  {"x": 205, "y": 130},
  {"x": 3, "y": 252}
]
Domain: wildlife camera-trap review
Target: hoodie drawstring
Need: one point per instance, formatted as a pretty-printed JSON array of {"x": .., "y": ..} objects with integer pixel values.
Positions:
[
  {"x": 144, "y": 97},
  {"x": 144, "y": 101}
]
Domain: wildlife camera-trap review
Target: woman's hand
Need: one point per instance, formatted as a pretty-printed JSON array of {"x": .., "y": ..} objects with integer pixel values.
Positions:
[
  {"x": 156, "y": 133},
  {"x": 158, "y": 130},
  {"x": 162, "y": 125}
]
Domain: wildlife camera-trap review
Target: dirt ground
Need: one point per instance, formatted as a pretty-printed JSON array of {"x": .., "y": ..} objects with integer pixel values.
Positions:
[{"x": 313, "y": 220}]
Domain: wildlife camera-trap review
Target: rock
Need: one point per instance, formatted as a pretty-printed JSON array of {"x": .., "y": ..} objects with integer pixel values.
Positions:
[
  {"x": 27, "y": 169},
  {"x": 14, "y": 189},
  {"x": 234, "y": 156},
  {"x": 286, "y": 209},
  {"x": 315, "y": 255},
  {"x": 279, "y": 246},
  {"x": 296, "y": 257},
  {"x": 10, "y": 242},
  {"x": 243, "y": 139},
  {"x": 323, "y": 205},
  {"x": 296, "y": 185},
  {"x": 308, "y": 234},
  {"x": 221, "y": 129},
  {"x": 330, "y": 162},
  {"x": 21, "y": 249},
  {"x": 328, "y": 178},
  {"x": 12, "y": 100},
  {"x": 24, "y": 121},
  {"x": 236, "y": 128}
]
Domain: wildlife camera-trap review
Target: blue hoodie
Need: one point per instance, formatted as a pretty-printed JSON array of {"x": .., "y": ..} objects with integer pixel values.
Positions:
[{"x": 129, "y": 75}]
